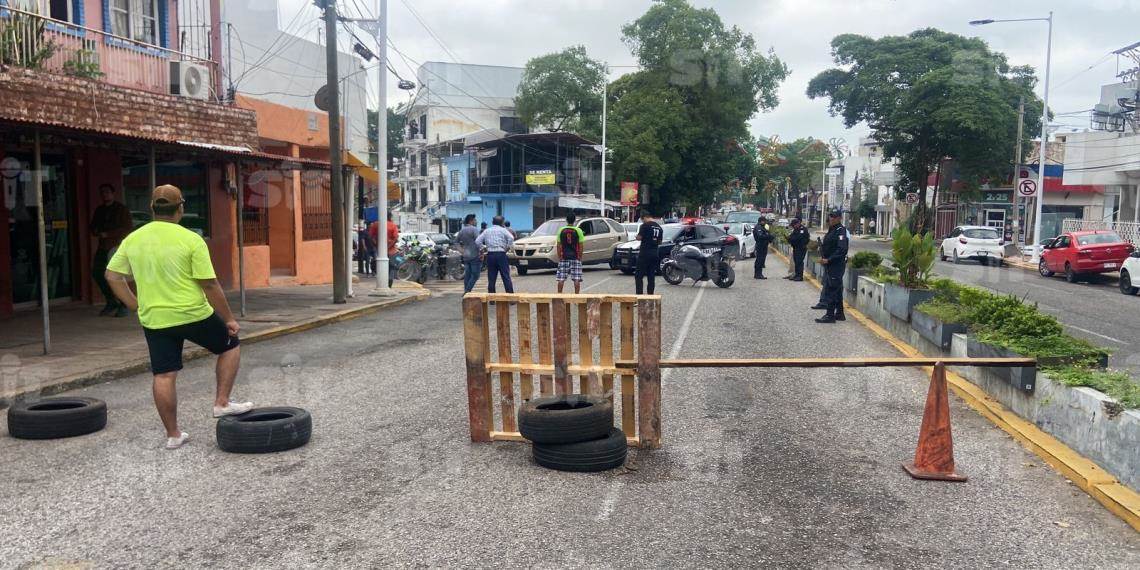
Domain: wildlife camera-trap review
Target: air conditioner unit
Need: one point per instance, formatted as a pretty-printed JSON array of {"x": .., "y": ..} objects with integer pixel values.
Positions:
[{"x": 189, "y": 79}]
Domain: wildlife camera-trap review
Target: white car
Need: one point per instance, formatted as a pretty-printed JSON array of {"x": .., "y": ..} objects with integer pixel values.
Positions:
[
  {"x": 423, "y": 238},
  {"x": 743, "y": 233},
  {"x": 631, "y": 230},
  {"x": 982, "y": 243},
  {"x": 1130, "y": 274},
  {"x": 783, "y": 222}
]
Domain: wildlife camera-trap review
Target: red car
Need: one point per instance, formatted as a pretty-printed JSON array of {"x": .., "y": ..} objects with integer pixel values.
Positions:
[{"x": 1078, "y": 254}]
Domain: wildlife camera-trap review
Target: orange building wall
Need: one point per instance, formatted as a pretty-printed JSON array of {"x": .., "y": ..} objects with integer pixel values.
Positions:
[
  {"x": 256, "y": 262},
  {"x": 315, "y": 267},
  {"x": 223, "y": 224}
]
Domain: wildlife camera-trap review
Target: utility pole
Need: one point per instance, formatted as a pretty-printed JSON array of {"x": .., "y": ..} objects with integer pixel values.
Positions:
[
  {"x": 336, "y": 158},
  {"x": 605, "y": 88},
  {"x": 1017, "y": 221},
  {"x": 382, "y": 154}
]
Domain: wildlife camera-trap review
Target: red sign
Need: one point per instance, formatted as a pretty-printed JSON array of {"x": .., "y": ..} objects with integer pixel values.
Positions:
[{"x": 629, "y": 195}]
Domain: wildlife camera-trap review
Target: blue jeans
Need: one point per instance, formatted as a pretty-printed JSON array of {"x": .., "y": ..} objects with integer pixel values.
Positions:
[
  {"x": 471, "y": 271},
  {"x": 497, "y": 263}
]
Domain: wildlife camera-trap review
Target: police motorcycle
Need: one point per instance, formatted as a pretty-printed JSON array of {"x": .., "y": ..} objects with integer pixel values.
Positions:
[{"x": 690, "y": 261}]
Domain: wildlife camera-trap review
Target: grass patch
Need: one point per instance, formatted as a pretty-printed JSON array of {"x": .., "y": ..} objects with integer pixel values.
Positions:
[
  {"x": 1116, "y": 385},
  {"x": 951, "y": 313}
]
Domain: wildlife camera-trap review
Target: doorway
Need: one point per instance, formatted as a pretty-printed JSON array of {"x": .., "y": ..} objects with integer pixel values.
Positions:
[
  {"x": 995, "y": 219},
  {"x": 23, "y": 220}
]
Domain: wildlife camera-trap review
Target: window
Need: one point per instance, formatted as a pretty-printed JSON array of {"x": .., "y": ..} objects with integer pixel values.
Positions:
[
  {"x": 316, "y": 205},
  {"x": 512, "y": 125},
  {"x": 615, "y": 227},
  {"x": 190, "y": 177},
  {"x": 1062, "y": 241},
  {"x": 255, "y": 206},
  {"x": 590, "y": 228},
  {"x": 709, "y": 232},
  {"x": 981, "y": 234},
  {"x": 1099, "y": 239},
  {"x": 135, "y": 19},
  {"x": 423, "y": 163}
]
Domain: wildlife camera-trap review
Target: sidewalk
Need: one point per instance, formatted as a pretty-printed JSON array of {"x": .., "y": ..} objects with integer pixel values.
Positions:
[{"x": 88, "y": 349}]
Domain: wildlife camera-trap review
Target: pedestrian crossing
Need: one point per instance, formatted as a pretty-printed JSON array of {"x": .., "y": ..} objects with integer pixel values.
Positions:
[{"x": 445, "y": 287}]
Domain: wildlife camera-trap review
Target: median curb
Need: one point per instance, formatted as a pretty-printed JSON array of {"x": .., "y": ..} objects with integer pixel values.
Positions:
[
  {"x": 1084, "y": 473},
  {"x": 140, "y": 365}
]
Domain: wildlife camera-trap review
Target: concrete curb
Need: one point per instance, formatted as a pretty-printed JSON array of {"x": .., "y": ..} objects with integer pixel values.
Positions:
[
  {"x": 1121, "y": 500},
  {"x": 138, "y": 366}
]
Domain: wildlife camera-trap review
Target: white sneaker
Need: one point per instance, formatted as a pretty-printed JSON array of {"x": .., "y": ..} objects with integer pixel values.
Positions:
[
  {"x": 233, "y": 409},
  {"x": 176, "y": 442}
]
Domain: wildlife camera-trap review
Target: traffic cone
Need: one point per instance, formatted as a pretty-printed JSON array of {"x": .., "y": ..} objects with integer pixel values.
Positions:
[{"x": 934, "y": 456}]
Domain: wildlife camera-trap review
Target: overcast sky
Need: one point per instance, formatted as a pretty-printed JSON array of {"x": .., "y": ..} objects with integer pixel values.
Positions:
[{"x": 509, "y": 32}]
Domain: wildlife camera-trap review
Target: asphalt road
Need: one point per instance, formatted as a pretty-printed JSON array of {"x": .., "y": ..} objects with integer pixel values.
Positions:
[
  {"x": 765, "y": 468},
  {"x": 1094, "y": 311}
]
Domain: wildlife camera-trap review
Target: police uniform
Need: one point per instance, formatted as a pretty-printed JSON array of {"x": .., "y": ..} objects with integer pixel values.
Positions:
[
  {"x": 834, "y": 250},
  {"x": 799, "y": 239},
  {"x": 763, "y": 237}
]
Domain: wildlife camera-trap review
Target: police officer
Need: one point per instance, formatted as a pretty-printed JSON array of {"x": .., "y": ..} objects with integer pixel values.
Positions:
[
  {"x": 650, "y": 235},
  {"x": 833, "y": 255},
  {"x": 798, "y": 239},
  {"x": 762, "y": 233}
]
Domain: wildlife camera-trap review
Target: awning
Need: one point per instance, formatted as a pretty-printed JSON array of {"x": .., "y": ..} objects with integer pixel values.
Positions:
[
  {"x": 584, "y": 202},
  {"x": 363, "y": 170}
]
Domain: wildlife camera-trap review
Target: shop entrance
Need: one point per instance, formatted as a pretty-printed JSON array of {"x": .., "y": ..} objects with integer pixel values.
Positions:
[
  {"x": 16, "y": 176},
  {"x": 995, "y": 219}
]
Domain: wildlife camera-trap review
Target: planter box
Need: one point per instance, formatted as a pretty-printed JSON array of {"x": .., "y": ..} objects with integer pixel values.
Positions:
[
  {"x": 937, "y": 332},
  {"x": 851, "y": 279},
  {"x": 1022, "y": 377},
  {"x": 900, "y": 301}
]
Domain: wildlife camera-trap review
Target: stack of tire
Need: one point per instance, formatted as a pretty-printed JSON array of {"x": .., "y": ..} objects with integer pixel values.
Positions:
[{"x": 573, "y": 432}]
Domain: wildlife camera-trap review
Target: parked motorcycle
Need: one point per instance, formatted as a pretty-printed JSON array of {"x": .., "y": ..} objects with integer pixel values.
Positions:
[
  {"x": 417, "y": 261},
  {"x": 689, "y": 261},
  {"x": 449, "y": 263}
]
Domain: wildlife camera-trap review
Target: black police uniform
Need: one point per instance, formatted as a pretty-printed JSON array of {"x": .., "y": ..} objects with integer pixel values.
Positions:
[
  {"x": 799, "y": 239},
  {"x": 763, "y": 237},
  {"x": 647, "y": 262},
  {"x": 834, "y": 250}
]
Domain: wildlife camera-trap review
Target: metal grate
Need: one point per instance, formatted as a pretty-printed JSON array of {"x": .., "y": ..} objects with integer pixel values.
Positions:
[
  {"x": 1129, "y": 231},
  {"x": 316, "y": 205}
]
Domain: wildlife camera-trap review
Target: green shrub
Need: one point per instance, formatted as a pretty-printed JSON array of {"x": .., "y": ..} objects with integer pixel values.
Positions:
[
  {"x": 779, "y": 235},
  {"x": 946, "y": 312},
  {"x": 884, "y": 274},
  {"x": 1116, "y": 385},
  {"x": 913, "y": 256},
  {"x": 866, "y": 260}
]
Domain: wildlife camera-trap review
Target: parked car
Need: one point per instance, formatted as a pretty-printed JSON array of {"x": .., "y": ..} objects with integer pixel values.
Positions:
[
  {"x": 1080, "y": 254},
  {"x": 783, "y": 222},
  {"x": 981, "y": 243},
  {"x": 743, "y": 233},
  {"x": 703, "y": 236},
  {"x": 422, "y": 238},
  {"x": 631, "y": 230},
  {"x": 440, "y": 239},
  {"x": 539, "y": 249},
  {"x": 1130, "y": 274},
  {"x": 745, "y": 216}
]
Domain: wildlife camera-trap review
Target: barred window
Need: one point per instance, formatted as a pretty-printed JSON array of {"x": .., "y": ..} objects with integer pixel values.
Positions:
[{"x": 316, "y": 205}]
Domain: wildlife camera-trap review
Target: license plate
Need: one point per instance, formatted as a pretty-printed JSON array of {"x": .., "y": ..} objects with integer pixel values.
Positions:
[
  {"x": 1109, "y": 265},
  {"x": 522, "y": 263}
]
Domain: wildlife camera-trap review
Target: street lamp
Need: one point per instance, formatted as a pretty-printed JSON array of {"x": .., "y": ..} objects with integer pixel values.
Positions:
[{"x": 1044, "y": 127}]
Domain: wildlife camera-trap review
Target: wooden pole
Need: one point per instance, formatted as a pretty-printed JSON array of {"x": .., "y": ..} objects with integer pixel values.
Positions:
[
  {"x": 649, "y": 372},
  {"x": 478, "y": 384},
  {"x": 239, "y": 191},
  {"x": 41, "y": 233}
]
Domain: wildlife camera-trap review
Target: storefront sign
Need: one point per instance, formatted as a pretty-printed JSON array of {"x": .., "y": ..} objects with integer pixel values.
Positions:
[
  {"x": 629, "y": 194},
  {"x": 1000, "y": 196},
  {"x": 540, "y": 176}
]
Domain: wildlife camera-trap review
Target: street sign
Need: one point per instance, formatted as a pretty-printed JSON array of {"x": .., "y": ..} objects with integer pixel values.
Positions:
[
  {"x": 1026, "y": 182},
  {"x": 912, "y": 197}
]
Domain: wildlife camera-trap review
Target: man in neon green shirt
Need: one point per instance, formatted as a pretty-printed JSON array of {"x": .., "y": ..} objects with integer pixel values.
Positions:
[{"x": 179, "y": 299}]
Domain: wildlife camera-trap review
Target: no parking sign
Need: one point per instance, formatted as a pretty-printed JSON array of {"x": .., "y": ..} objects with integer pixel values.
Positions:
[{"x": 1026, "y": 186}]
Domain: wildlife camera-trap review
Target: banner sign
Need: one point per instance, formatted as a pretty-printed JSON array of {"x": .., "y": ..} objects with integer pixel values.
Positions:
[
  {"x": 540, "y": 175},
  {"x": 629, "y": 195}
]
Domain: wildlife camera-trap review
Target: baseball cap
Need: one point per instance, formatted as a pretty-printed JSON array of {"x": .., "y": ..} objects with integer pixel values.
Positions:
[
  {"x": 835, "y": 214},
  {"x": 166, "y": 195}
]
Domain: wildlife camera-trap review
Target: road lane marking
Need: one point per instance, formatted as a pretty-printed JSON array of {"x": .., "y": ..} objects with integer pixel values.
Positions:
[
  {"x": 1098, "y": 334},
  {"x": 587, "y": 288},
  {"x": 688, "y": 322}
]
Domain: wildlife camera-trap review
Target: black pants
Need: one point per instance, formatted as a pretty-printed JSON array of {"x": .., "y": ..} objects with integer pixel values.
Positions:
[
  {"x": 98, "y": 273},
  {"x": 833, "y": 287},
  {"x": 646, "y": 269},
  {"x": 798, "y": 259},
  {"x": 761, "y": 260},
  {"x": 497, "y": 263}
]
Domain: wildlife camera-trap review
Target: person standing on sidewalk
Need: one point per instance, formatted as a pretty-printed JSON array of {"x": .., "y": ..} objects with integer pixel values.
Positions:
[
  {"x": 798, "y": 239},
  {"x": 833, "y": 255},
  {"x": 110, "y": 223},
  {"x": 472, "y": 264},
  {"x": 650, "y": 235},
  {"x": 763, "y": 236},
  {"x": 179, "y": 299},
  {"x": 498, "y": 242},
  {"x": 570, "y": 238}
]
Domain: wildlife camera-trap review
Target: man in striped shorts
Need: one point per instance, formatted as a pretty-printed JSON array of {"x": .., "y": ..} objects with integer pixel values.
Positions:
[{"x": 570, "y": 239}]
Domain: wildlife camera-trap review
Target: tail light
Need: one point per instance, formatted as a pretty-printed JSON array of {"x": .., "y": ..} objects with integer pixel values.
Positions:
[
  {"x": 962, "y": 241},
  {"x": 1084, "y": 252},
  {"x": 729, "y": 239}
]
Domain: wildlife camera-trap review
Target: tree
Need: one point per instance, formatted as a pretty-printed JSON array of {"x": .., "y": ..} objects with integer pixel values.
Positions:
[
  {"x": 563, "y": 92},
  {"x": 928, "y": 96},
  {"x": 395, "y": 135},
  {"x": 680, "y": 122}
]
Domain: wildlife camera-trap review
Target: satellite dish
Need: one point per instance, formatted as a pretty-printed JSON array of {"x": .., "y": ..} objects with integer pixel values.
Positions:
[{"x": 321, "y": 99}]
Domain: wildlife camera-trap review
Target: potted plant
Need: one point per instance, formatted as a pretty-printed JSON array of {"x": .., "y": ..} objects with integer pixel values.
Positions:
[
  {"x": 861, "y": 264},
  {"x": 914, "y": 258},
  {"x": 938, "y": 321}
]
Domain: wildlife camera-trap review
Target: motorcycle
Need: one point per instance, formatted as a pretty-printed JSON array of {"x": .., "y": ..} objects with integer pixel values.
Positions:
[
  {"x": 417, "y": 260},
  {"x": 449, "y": 263},
  {"x": 689, "y": 261}
]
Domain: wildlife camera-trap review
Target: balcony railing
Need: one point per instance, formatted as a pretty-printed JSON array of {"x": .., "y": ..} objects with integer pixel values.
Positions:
[{"x": 33, "y": 41}]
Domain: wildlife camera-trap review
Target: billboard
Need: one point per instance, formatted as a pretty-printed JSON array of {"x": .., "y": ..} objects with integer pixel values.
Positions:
[
  {"x": 629, "y": 195},
  {"x": 540, "y": 175}
]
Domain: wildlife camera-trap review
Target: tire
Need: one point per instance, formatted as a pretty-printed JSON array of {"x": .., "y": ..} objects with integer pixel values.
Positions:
[
  {"x": 522, "y": 270},
  {"x": 626, "y": 271},
  {"x": 941, "y": 254},
  {"x": 956, "y": 259},
  {"x": 672, "y": 274},
  {"x": 1126, "y": 286},
  {"x": 726, "y": 277},
  {"x": 55, "y": 418},
  {"x": 408, "y": 271},
  {"x": 1043, "y": 269},
  {"x": 265, "y": 430},
  {"x": 564, "y": 419},
  {"x": 1070, "y": 275},
  {"x": 602, "y": 454}
]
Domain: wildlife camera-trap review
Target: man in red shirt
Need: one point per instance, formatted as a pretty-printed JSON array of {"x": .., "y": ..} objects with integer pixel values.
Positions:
[{"x": 393, "y": 236}]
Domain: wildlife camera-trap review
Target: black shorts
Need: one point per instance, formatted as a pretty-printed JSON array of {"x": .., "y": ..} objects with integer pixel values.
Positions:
[{"x": 165, "y": 345}]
